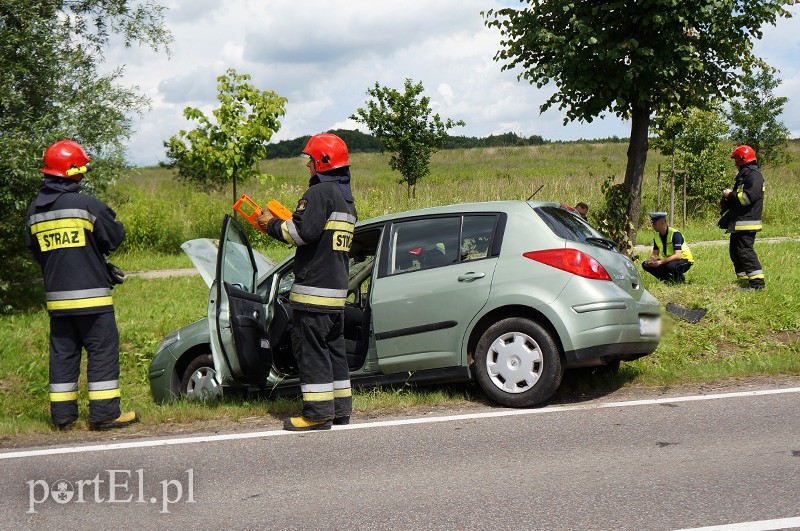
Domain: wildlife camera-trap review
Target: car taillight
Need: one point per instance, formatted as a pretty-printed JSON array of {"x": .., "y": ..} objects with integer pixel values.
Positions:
[{"x": 572, "y": 261}]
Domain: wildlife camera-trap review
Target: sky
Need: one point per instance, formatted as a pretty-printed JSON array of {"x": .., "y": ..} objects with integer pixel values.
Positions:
[{"x": 323, "y": 56}]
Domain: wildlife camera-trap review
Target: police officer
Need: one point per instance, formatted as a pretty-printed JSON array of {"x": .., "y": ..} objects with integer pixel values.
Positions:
[
  {"x": 671, "y": 257},
  {"x": 322, "y": 229},
  {"x": 69, "y": 234},
  {"x": 741, "y": 209}
]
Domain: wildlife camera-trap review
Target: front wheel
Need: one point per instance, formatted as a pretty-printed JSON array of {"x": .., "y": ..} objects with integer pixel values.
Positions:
[
  {"x": 198, "y": 380},
  {"x": 517, "y": 363}
]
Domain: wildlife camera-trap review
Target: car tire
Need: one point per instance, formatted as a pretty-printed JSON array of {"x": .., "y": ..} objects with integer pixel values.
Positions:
[
  {"x": 517, "y": 363},
  {"x": 198, "y": 381}
]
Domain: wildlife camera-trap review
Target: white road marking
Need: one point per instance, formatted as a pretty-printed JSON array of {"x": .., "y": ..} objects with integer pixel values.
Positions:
[
  {"x": 763, "y": 525},
  {"x": 379, "y": 424}
]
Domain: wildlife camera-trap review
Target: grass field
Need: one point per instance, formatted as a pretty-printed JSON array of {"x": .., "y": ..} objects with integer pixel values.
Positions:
[{"x": 743, "y": 334}]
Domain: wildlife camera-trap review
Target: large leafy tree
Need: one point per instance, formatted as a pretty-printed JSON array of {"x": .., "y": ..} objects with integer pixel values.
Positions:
[
  {"x": 50, "y": 89},
  {"x": 405, "y": 127},
  {"x": 755, "y": 116},
  {"x": 632, "y": 58},
  {"x": 227, "y": 147}
]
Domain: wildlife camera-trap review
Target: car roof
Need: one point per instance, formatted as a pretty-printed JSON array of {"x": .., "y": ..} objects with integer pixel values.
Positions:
[{"x": 458, "y": 208}]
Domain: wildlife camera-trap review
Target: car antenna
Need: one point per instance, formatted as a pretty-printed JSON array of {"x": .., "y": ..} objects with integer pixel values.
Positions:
[{"x": 536, "y": 192}]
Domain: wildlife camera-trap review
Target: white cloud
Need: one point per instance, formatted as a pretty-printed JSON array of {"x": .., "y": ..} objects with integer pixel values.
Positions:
[{"x": 323, "y": 55}]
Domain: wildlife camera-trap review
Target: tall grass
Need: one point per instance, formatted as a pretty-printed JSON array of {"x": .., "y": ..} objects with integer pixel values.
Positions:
[{"x": 161, "y": 213}]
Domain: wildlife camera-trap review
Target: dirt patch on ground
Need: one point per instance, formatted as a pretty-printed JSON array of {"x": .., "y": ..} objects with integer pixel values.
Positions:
[{"x": 268, "y": 422}]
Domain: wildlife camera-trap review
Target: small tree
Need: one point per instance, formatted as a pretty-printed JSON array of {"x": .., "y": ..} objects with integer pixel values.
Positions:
[
  {"x": 698, "y": 139},
  {"x": 220, "y": 151},
  {"x": 754, "y": 117},
  {"x": 404, "y": 126}
]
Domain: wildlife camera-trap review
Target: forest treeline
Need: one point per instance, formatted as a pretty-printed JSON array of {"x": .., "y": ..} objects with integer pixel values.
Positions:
[{"x": 358, "y": 142}]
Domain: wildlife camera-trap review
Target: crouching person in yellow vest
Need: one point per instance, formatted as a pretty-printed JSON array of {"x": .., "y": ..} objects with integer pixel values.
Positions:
[{"x": 671, "y": 256}]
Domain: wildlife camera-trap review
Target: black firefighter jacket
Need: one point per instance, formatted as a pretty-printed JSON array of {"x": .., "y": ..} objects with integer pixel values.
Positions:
[
  {"x": 69, "y": 233},
  {"x": 741, "y": 211},
  {"x": 322, "y": 229}
]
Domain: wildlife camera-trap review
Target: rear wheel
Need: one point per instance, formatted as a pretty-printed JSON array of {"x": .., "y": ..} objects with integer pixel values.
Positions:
[
  {"x": 517, "y": 363},
  {"x": 198, "y": 381}
]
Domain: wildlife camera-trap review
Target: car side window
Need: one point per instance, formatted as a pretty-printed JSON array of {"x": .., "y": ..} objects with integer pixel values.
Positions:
[
  {"x": 476, "y": 236},
  {"x": 424, "y": 244},
  {"x": 237, "y": 260}
]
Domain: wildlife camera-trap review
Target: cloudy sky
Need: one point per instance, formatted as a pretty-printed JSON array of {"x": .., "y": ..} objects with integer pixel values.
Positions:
[{"x": 323, "y": 55}]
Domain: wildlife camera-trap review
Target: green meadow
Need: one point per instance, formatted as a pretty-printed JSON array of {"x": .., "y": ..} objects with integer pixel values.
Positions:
[{"x": 743, "y": 334}]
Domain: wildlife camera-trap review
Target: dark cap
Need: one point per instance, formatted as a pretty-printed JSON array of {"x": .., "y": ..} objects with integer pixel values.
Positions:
[{"x": 655, "y": 216}]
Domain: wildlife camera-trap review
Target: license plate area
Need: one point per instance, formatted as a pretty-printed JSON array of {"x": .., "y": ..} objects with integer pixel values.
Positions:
[{"x": 650, "y": 325}]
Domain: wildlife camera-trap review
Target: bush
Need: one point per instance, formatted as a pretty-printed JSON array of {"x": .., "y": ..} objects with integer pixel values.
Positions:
[{"x": 161, "y": 220}]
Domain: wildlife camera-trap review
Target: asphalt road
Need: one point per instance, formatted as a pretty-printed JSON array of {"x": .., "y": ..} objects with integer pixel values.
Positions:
[{"x": 663, "y": 463}]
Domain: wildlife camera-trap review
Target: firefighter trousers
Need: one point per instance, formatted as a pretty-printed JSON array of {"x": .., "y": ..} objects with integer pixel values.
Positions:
[
  {"x": 98, "y": 334},
  {"x": 744, "y": 258},
  {"x": 318, "y": 344}
]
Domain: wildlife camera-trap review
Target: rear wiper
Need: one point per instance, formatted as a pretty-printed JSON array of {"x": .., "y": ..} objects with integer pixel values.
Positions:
[{"x": 605, "y": 242}]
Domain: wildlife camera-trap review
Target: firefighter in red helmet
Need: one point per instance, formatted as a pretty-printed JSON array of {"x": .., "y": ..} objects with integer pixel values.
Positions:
[
  {"x": 322, "y": 230},
  {"x": 741, "y": 208},
  {"x": 69, "y": 234}
]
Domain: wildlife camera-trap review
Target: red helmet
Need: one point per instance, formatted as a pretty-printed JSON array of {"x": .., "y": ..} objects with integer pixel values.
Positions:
[
  {"x": 743, "y": 155},
  {"x": 328, "y": 152},
  {"x": 66, "y": 159}
]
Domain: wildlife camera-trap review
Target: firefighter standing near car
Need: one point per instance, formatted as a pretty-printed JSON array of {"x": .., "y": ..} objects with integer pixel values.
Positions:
[
  {"x": 671, "y": 257},
  {"x": 69, "y": 234},
  {"x": 322, "y": 229},
  {"x": 741, "y": 209}
]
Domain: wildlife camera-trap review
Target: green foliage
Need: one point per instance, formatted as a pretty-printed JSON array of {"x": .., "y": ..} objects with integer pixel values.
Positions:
[
  {"x": 161, "y": 220},
  {"x": 612, "y": 218},
  {"x": 404, "y": 126},
  {"x": 735, "y": 339},
  {"x": 754, "y": 117},
  {"x": 227, "y": 147},
  {"x": 503, "y": 140},
  {"x": 697, "y": 138},
  {"x": 51, "y": 90},
  {"x": 357, "y": 142},
  {"x": 632, "y": 58}
]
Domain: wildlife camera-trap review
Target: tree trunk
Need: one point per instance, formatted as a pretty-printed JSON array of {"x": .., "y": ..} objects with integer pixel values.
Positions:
[
  {"x": 235, "y": 197},
  {"x": 637, "y": 157}
]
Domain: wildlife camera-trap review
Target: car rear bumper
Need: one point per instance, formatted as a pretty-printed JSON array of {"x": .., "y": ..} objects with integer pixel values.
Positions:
[{"x": 603, "y": 354}]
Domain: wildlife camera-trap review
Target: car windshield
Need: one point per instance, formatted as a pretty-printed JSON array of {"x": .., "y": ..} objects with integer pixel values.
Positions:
[{"x": 570, "y": 226}]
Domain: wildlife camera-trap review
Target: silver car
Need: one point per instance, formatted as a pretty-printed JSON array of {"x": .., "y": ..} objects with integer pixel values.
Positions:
[{"x": 507, "y": 293}]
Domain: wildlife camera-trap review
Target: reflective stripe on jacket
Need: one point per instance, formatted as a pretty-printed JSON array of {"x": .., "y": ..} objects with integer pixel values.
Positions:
[
  {"x": 745, "y": 203},
  {"x": 322, "y": 229},
  {"x": 68, "y": 234}
]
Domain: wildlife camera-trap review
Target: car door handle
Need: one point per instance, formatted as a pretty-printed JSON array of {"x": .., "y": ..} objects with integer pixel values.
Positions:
[{"x": 469, "y": 277}]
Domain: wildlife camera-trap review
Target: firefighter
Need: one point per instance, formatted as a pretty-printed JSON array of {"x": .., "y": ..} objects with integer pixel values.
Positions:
[
  {"x": 741, "y": 209},
  {"x": 322, "y": 230},
  {"x": 671, "y": 257},
  {"x": 69, "y": 234}
]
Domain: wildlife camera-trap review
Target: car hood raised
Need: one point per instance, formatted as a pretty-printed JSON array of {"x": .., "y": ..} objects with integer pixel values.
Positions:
[{"x": 203, "y": 254}]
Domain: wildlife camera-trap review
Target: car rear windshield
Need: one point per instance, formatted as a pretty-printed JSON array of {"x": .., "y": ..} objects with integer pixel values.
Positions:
[{"x": 568, "y": 225}]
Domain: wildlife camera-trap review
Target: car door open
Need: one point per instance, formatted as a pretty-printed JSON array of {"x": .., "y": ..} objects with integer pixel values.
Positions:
[{"x": 237, "y": 314}]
